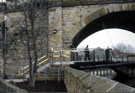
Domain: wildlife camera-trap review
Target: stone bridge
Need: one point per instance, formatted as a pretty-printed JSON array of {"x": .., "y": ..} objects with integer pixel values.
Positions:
[{"x": 73, "y": 23}]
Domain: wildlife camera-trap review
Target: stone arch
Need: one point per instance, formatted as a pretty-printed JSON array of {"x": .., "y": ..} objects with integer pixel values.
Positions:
[
  {"x": 101, "y": 19},
  {"x": 104, "y": 10}
]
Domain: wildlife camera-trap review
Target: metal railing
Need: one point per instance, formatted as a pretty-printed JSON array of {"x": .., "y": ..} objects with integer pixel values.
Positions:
[
  {"x": 51, "y": 58},
  {"x": 60, "y": 56},
  {"x": 97, "y": 55},
  {"x": 42, "y": 60},
  {"x": 74, "y": 55}
]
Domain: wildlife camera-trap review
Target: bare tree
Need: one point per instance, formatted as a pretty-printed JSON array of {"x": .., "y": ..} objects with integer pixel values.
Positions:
[
  {"x": 32, "y": 18},
  {"x": 33, "y": 25},
  {"x": 126, "y": 48}
]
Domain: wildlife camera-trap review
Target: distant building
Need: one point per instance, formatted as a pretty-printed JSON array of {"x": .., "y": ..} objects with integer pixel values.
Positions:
[{"x": 99, "y": 54}]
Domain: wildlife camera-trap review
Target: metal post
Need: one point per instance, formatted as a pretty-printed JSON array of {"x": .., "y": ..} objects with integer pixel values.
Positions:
[
  {"x": 62, "y": 75},
  {"x": 61, "y": 56},
  {"x": 58, "y": 76},
  {"x": 77, "y": 56},
  {"x": 45, "y": 76},
  {"x": 52, "y": 59},
  {"x": 98, "y": 57},
  {"x": 23, "y": 70},
  {"x": 51, "y": 72},
  {"x": 93, "y": 55}
]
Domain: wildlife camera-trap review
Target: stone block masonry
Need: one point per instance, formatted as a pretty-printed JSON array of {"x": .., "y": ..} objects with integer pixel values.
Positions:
[
  {"x": 8, "y": 88},
  {"x": 68, "y": 21},
  {"x": 17, "y": 53},
  {"x": 79, "y": 81}
]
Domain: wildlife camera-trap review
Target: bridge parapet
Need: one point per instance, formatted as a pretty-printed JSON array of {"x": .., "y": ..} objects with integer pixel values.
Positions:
[
  {"x": 14, "y": 6},
  {"x": 79, "y": 81},
  {"x": 8, "y": 88},
  {"x": 65, "y": 3}
]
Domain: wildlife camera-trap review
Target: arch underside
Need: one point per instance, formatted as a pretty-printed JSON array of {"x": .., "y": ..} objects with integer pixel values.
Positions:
[{"x": 123, "y": 20}]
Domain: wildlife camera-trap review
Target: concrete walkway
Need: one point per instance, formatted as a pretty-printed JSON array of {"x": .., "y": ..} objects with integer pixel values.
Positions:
[{"x": 15, "y": 80}]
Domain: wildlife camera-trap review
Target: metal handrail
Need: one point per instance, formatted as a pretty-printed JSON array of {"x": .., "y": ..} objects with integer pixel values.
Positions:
[
  {"x": 39, "y": 64},
  {"x": 46, "y": 58},
  {"x": 33, "y": 62},
  {"x": 44, "y": 61},
  {"x": 27, "y": 66}
]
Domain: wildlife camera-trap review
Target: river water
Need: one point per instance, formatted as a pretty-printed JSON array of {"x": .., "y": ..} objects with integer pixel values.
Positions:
[
  {"x": 111, "y": 74},
  {"x": 125, "y": 80}
]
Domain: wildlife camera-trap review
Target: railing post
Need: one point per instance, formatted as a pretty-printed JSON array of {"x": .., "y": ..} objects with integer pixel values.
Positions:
[
  {"x": 127, "y": 59},
  {"x": 72, "y": 56},
  {"x": 76, "y": 56},
  {"x": 111, "y": 55},
  {"x": 52, "y": 58},
  {"x": 58, "y": 76},
  {"x": 98, "y": 58},
  {"x": 45, "y": 75},
  {"x": 61, "y": 56},
  {"x": 93, "y": 55},
  {"x": 51, "y": 74}
]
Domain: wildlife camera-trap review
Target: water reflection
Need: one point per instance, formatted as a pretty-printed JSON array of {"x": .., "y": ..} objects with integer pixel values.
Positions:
[
  {"x": 104, "y": 72},
  {"x": 125, "y": 80}
]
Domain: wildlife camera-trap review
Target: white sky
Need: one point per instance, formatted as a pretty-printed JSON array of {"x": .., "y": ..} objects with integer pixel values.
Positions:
[
  {"x": 108, "y": 37},
  {"x": 2, "y": 1}
]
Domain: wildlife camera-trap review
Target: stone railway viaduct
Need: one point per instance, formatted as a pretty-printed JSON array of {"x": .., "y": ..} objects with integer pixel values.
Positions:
[{"x": 73, "y": 21}]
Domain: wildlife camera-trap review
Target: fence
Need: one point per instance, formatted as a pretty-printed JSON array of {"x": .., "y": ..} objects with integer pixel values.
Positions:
[
  {"x": 76, "y": 55},
  {"x": 98, "y": 55}
]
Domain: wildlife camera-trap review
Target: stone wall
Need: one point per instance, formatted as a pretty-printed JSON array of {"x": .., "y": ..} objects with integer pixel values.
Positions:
[
  {"x": 17, "y": 52},
  {"x": 8, "y": 88},
  {"x": 79, "y": 81},
  {"x": 15, "y": 5},
  {"x": 69, "y": 21}
]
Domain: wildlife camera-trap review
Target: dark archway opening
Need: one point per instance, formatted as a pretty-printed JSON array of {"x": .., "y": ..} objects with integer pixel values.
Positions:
[{"x": 123, "y": 20}]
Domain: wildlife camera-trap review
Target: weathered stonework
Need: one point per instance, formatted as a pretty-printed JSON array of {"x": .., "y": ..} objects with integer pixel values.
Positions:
[
  {"x": 68, "y": 21},
  {"x": 8, "y": 88},
  {"x": 79, "y": 81},
  {"x": 17, "y": 52},
  {"x": 71, "y": 20}
]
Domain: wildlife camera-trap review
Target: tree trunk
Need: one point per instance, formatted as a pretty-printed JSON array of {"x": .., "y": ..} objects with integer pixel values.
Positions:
[
  {"x": 28, "y": 46},
  {"x": 31, "y": 36},
  {"x": 34, "y": 45}
]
